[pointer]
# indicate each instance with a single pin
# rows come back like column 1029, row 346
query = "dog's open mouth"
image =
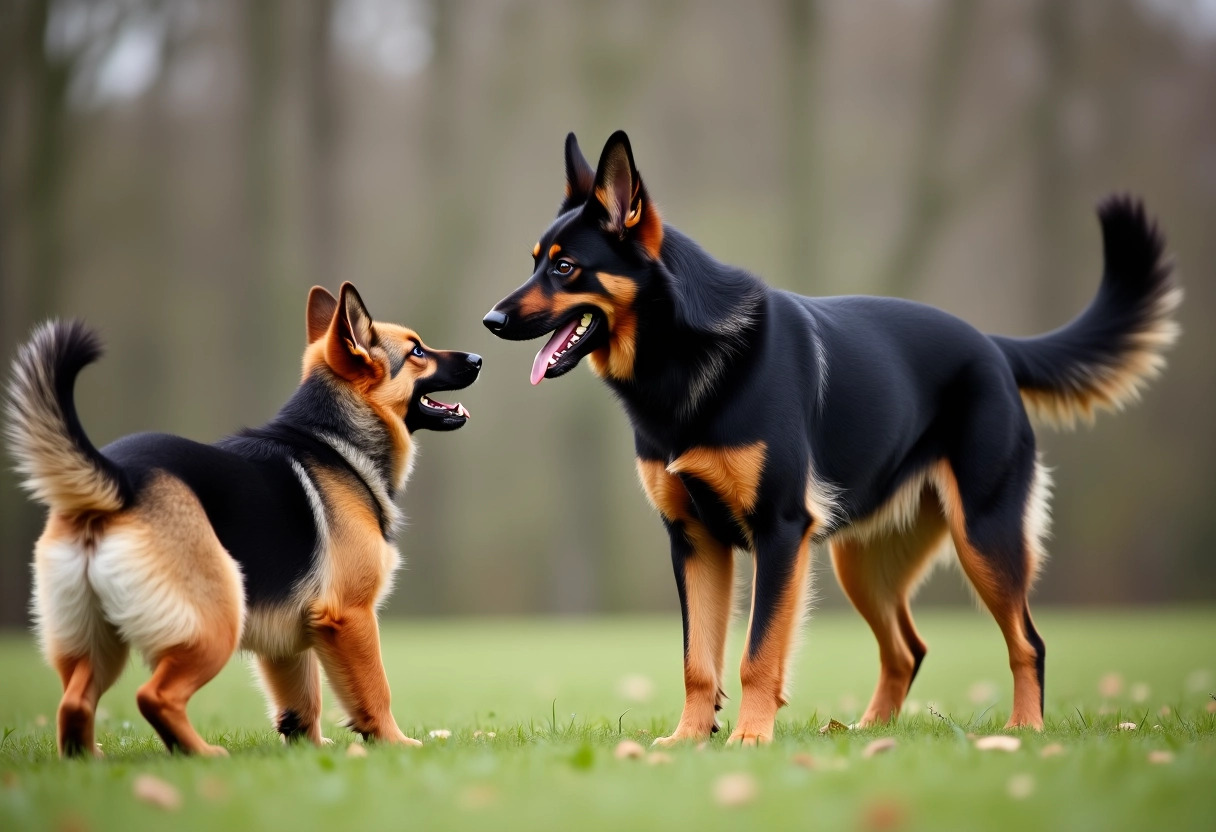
column 432, row 414
column 566, row 347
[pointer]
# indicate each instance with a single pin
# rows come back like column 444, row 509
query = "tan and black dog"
column 767, row 421
column 277, row 540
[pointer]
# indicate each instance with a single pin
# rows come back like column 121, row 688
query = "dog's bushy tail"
column 1106, row 356
column 61, row 468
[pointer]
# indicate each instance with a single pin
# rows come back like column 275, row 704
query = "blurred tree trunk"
column 927, row 202
column 46, row 78
column 254, row 326
column 1050, row 168
column 322, row 139
column 803, row 176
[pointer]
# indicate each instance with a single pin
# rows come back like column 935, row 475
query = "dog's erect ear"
column 620, row 193
column 580, row 176
column 321, row 306
column 351, row 335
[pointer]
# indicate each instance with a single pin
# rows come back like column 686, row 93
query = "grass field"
column 560, row 694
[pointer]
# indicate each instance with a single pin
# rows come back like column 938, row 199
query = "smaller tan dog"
column 277, row 540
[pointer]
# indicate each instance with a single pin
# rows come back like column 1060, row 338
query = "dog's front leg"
column 778, row 602
column 704, row 579
column 348, row 642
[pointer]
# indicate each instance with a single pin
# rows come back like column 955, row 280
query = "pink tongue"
column 541, row 363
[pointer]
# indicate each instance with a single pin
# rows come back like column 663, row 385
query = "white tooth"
column 552, row 361
column 574, row 340
column 580, row 330
column 586, row 319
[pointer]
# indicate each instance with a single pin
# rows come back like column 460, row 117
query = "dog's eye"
column 563, row 267
column 418, row 352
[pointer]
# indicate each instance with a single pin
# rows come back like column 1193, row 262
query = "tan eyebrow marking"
column 553, row 250
column 536, row 249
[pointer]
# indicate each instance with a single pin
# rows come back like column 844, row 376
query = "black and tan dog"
column 767, row 421
column 278, row 540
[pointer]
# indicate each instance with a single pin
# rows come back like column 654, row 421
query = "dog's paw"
column 749, row 737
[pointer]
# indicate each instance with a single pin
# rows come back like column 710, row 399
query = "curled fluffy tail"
column 1105, row 357
column 61, row 467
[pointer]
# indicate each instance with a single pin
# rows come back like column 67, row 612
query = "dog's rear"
column 114, row 569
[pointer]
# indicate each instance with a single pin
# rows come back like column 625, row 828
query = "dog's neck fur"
column 696, row 322
column 345, row 422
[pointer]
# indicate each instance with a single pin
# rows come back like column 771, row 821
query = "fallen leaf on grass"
column 1020, row 786
column 157, row 792
column 40, row 720
column 879, row 746
column 1140, row 692
column 440, row 734
column 1128, row 726
column 982, row 692
column 1110, row 685
column 1161, row 757
column 635, row 688
column 998, row 742
column 212, row 789
column 735, row 789
column 1052, row 750
column 884, row 815
column 659, row 758
column 834, row 726
column 355, row 750
column 1212, row 707
column 804, row 760
column 629, row 750
column 478, row 796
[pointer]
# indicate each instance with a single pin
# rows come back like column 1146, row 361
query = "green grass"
column 555, row 694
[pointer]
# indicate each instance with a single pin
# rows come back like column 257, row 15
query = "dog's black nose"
column 494, row 320
column 474, row 360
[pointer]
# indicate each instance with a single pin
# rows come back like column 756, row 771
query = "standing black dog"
column 766, row 421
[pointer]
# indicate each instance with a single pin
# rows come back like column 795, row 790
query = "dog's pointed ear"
column 619, row 191
column 580, row 176
column 321, row 307
column 351, row 335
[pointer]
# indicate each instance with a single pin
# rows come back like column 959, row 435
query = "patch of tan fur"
column 616, row 359
column 553, row 250
column 359, row 563
column 536, row 248
column 733, row 473
column 1112, row 388
column 822, row 500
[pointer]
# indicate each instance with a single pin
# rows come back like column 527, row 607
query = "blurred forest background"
column 180, row 172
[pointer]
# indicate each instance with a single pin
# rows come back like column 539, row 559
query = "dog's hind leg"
column 879, row 573
column 996, row 535
column 293, row 685
column 77, row 640
column 783, row 558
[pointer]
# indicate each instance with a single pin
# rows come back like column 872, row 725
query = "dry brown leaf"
column 659, row 758
column 879, row 746
column 212, row 789
column 157, row 792
column 1161, row 757
column 803, row 759
column 833, row 726
column 998, row 742
column 1020, row 786
column 1212, row 707
column 1110, row 685
column 735, row 789
column 1128, row 726
column 355, row 750
column 629, row 750
column 1052, row 750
